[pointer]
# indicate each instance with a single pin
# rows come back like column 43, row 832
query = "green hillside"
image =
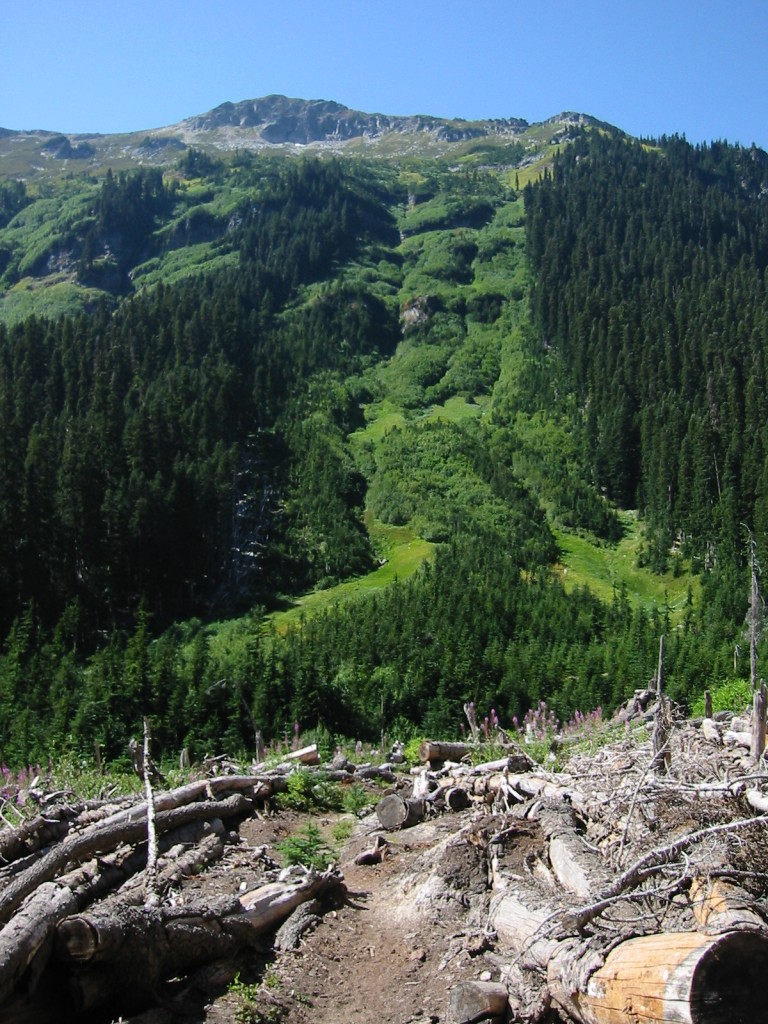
column 350, row 439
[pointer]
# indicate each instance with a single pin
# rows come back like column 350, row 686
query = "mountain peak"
column 282, row 120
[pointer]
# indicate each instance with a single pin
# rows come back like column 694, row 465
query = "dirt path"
column 409, row 929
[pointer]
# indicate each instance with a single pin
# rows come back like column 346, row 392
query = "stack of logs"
column 59, row 959
column 631, row 908
column 629, row 889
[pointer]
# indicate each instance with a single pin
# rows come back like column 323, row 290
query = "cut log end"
column 394, row 812
column 686, row 977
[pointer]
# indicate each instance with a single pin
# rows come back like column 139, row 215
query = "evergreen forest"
column 304, row 442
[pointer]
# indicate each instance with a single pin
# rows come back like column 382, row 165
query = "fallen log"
column 36, row 833
column 434, row 750
column 25, row 935
column 22, row 938
column 456, row 798
column 689, row 977
column 719, row 906
column 307, row 755
column 375, row 771
column 683, row 977
column 177, row 864
column 123, row 955
column 394, row 811
column 577, row 868
column 106, row 836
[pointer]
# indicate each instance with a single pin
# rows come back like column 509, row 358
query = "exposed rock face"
column 62, row 148
column 278, row 120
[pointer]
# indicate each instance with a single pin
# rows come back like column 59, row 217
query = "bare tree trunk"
column 758, row 721
column 662, row 723
column 129, row 950
column 152, row 893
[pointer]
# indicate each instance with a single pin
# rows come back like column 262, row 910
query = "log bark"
column 710, row 731
column 685, row 977
column 23, row 939
column 36, row 833
column 433, row 750
column 704, row 977
column 578, row 869
column 759, row 709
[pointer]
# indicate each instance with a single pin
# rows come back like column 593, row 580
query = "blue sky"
column 648, row 66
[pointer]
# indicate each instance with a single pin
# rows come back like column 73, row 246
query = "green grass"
column 604, row 568
column 382, row 417
column 47, row 297
column 458, row 409
column 404, row 552
column 181, row 263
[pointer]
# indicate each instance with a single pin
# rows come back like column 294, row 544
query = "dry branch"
column 124, row 827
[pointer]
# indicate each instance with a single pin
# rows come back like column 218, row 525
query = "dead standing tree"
column 758, row 688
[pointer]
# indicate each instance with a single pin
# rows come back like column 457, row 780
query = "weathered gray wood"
column 434, row 750
column 307, row 755
column 759, row 705
column 23, row 939
column 578, row 869
column 657, row 979
column 105, row 836
column 710, row 731
column 31, row 835
column 757, row 799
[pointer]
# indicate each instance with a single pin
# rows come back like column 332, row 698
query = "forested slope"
column 650, row 264
column 291, row 342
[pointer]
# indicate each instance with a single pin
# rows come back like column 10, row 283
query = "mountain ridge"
column 273, row 122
